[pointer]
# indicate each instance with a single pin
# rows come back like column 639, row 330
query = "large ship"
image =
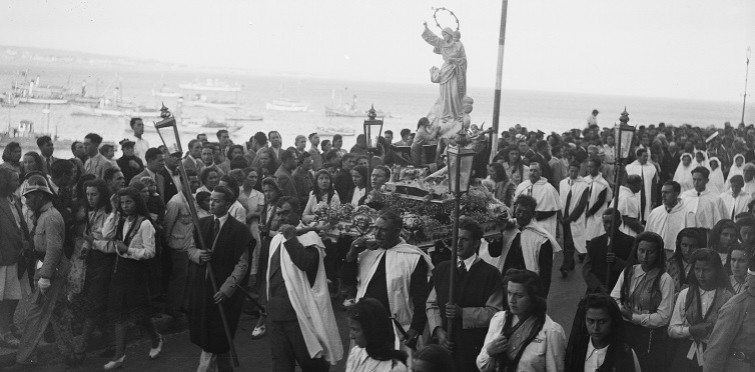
column 211, row 85
column 284, row 104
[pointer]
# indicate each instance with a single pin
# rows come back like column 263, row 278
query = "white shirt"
column 596, row 357
column 358, row 194
column 468, row 262
column 662, row 314
column 140, row 148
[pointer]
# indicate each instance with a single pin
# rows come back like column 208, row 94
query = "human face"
column 357, row 178
column 337, row 143
column 80, row 150
column 323, row 182
column 138, row 128
column 647, row 255
column 728, row 236
column 301, row 143
column 386, row 235
column 251, row 179
column 271, row 195
column 573, row 172
column 713, row 165
column 737, row 186
column 748, row 235
column 593, row 168
column 356, row 333
column 145, row 193
column 157, row 163
column 29, row 164
column 224, row 139
column 363, row 162
column 237, row 152
column 286, row 214
column 389, row 137
column 207, row 157
column 306, row 164
column 687, row 246
column 378, row 179
column 128, row 151
column 194, row 184
column 118, row 182
column 534, row 172
column 699, row 157
column 275, row 139
column 739, row 160
column 599, row 325
column 669, row 196
column 315, row 140
column 218, row 205
column 212, row 180
column 128, row 205
column 91, row 148
column 47, row 149
column 738, row 259
column 349, row 163
column 93, row 196
column 467, row 245
column 644, row 158
column 34, row 201
column 699, row 181
column 491, row 173
column 523, row 215
column 327, row 146
column 519, row 301
column 513, row 156
column 265, row 160
column 607, row 223
column 202, row 138
column 705, row 275
column 196, row 150
column 523, row 147
column 686, row 160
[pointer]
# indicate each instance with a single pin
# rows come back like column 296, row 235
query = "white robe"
column 706, row 205
column 668, row 225
column 629, row 205
column 547, row 200
column 734, row 206
column 311, row 303
column 716, row 178
column 648, row 172
column 577, row 227
column 735, row 170
column 683, row 175
column 594, row 223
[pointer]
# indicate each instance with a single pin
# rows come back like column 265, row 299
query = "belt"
column 744, row 356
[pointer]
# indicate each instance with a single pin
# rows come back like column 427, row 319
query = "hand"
column 205, row 256
column 133, row 164
column 453, row 311
column 626, row 313
column 121, row 247
column 443, row 339
column 610, row 257
column 43, row 284
column 413, row 337
column 699, row 331
column 219, row 297
column 498, row 346
column 288, row 231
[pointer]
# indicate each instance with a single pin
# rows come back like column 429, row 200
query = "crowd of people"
column 96, row 244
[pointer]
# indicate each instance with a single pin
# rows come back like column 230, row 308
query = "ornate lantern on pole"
column 167, row 129
column 373, row 129
column 460, row 161
column 624, row 136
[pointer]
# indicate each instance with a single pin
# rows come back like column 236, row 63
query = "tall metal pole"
column 454, row 244
column 499, row 72
column 744, row 98
column 624, row 119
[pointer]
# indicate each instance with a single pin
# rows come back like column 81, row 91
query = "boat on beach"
column 285, row 104
column 211, row 85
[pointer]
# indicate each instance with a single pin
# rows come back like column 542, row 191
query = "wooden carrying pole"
column 170, row 122
column 498, row 75
column 454, row 243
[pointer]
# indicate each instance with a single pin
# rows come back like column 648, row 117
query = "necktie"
column 48, row 166
column 529, row 191
column 462, row 268
column 734, row 208
column 215, row 228
column 568, row 201
column 643, row 197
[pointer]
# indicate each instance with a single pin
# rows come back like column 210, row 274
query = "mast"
column 744, row 96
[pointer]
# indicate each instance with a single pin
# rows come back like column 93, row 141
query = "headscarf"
column 704, row 163
column 683, row 175
column 735, row 170
column 716, row 178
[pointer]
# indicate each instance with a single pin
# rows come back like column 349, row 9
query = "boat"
column 96, row 111
column 164, row 91
column 211, row 85
column 284, row 104
column 244, row 118
column 350, row 112
column 25, row 135
column 212, row 124
column 42, row 101
column 200, row 100
column 331, row 131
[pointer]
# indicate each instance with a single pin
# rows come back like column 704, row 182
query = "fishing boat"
column 41, row 101
column 284, row 104
column 96, row 111
column 244, row 118
column 211, row 85
column 200, row 100
column 350, row 112
column 331, row 131
column 165, row 92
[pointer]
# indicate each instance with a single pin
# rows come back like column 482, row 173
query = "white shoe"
column 115, row 364
column 155, row 351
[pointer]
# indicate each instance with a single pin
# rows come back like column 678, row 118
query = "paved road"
column 254, row 355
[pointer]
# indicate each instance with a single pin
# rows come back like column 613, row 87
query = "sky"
column 690, row 49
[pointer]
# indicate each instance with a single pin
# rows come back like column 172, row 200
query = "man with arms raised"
column 228, row 244
column 393, row 272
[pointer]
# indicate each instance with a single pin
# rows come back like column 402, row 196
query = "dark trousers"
column 177, row 282
column 287, row 347
column 568, row 263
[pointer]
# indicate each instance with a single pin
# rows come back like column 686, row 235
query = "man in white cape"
column 574, row 192
column 735, row 199
column 707, row 206
column 546, row 196
column 600, row 195
column 301, row 324
column 393, row 272
column 648, row 174
column 668, row 219
column 629, row 206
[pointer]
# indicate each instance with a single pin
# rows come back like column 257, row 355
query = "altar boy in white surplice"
column 707, row 205
column 600, row 195
column 546, row 196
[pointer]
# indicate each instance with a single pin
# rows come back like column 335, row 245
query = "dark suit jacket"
column 159, row 179
column 170, row 188
column 286, row 182
column 594, row 269
column 45, row 168
column 10, row 234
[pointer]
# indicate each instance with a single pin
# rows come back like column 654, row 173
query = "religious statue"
column 448, row 111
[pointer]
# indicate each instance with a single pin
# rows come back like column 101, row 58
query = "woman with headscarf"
column 716, row 178
column 371, row 329
column 700, row 160
column 736, row 169
column 683, row 174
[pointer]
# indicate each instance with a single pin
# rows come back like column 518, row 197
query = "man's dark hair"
column 239, row 163
column 260, row 138
column 221, row 132
column 641, row 151
column 152, row 154
column 388, row 132
column 542, row 145
column 231, row 183
column 94, row 138
column 41, row 141
column 290, row 200
column 311, row 135
column 393, row 218
column 228, row 194
column 526, row 201
column 468, row 224
column 596, row 161
column 702, row 170
column 677, row 187
column 405, row 132
column 109, row 173
column 287, row 155
column 61, row 167
column 133, row 121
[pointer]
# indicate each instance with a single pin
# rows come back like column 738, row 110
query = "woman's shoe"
column 115, row 364
column 155, row 351
column 259, row 332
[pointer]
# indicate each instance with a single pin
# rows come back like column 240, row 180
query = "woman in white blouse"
column 645, row 295
column 133, row 237
column 523, row 338
column 322, row 195
column 696, row 310
column 360, row 177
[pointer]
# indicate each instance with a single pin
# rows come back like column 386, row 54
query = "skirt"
column 651, row 345
column 128, row 297
column 98, row 275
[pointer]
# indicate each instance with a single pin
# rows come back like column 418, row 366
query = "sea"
column 405, row 104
